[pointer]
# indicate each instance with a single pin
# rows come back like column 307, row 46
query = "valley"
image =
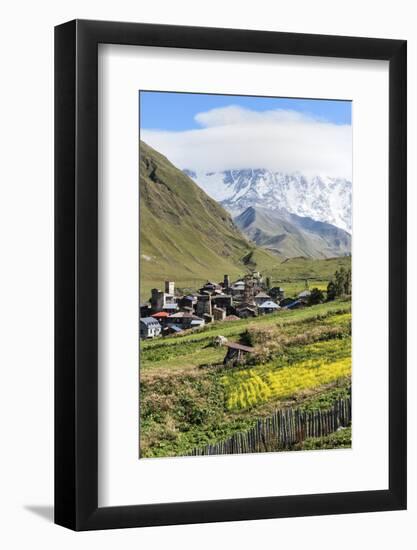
column 241, row 331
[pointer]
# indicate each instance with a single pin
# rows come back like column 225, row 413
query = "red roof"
column 160, row 314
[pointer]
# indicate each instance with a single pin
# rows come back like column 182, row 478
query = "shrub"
column 316, row 297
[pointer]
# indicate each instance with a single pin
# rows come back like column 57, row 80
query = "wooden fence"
column 282, row 430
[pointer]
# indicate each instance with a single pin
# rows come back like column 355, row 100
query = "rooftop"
column 149, row 321
column 185, row 315
column 235, row 345
column 175, row 328
column 262, row 295
column 269, row 304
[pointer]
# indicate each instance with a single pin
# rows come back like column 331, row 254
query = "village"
column 171, row 312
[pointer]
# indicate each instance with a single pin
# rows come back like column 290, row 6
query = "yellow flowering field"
column 249, row 387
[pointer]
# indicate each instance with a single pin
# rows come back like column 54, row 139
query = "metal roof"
column 149, row 321
column 176, row 328
column 269, row 304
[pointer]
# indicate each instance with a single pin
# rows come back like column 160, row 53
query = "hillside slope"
column 185, row 235
column 292, row 236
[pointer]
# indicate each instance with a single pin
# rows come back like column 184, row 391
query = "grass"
column 342, row 439
column 325, row 400
column 186, row 396
column 194, row 350
column 291, row 274
column 327, row 362
column 235, row 328
column 301, row 269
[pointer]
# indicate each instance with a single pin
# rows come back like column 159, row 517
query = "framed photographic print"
column 230, row 275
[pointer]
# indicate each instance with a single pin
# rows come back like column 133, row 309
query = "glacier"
column 320, row 197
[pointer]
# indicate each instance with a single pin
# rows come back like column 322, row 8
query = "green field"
column 291, row 274
column 188, row 399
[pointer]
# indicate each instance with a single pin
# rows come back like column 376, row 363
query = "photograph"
column 245, row 274
column 216, row 340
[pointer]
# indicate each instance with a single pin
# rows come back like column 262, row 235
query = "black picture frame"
column 76, row 272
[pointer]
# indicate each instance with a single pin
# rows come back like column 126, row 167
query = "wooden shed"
column 235, row 353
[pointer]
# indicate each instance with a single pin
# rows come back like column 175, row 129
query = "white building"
column 149, row 328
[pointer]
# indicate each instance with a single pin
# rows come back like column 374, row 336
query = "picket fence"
column 282, row 430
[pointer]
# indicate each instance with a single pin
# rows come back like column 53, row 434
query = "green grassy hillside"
column 292, row 273
column 188, row 399
column 184, row 234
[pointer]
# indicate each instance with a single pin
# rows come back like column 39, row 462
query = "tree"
column 316, row 297
column 347, row 289
column 331, row 291
column 340, row 285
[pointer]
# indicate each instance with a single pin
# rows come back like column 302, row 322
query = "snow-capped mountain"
column 321, row 198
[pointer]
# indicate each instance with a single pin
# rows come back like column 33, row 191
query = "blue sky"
column 204, row 132
column 176, row 111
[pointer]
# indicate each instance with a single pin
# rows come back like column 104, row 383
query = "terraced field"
column 188, row 399
column 258, row 385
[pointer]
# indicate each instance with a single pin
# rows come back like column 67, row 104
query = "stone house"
column 149, row 328
column 261, row 297
column 219, row 313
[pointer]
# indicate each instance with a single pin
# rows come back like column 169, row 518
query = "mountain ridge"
column 321, row 198
column 185, row 235
column 292, row 236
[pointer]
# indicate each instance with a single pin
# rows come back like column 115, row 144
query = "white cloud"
column 279, row 140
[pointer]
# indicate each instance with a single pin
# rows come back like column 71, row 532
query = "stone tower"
column 157, row 300
column 169, row 287
column 203, row 305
